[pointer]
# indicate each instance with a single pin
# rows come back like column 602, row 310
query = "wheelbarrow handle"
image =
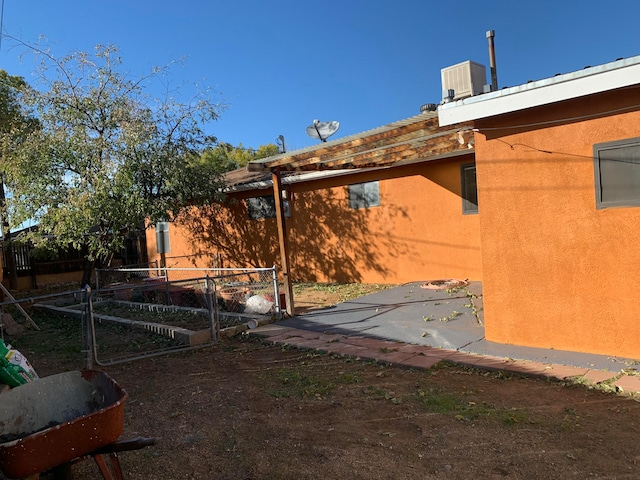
column 125, row 445
column 63, row 472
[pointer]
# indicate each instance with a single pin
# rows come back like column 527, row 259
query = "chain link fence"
column 131, row 273
column 39, row 324
column 146, row 314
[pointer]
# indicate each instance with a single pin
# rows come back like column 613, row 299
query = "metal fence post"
column 211, row 307
column 276, row 293
column 87, row 337
column 167, row 287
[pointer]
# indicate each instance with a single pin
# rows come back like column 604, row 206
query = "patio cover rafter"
column 416, row 138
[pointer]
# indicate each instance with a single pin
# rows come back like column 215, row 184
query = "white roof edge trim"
column 291, row 179
column 602, row 78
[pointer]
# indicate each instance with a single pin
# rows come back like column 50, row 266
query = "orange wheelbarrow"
column 49, row 424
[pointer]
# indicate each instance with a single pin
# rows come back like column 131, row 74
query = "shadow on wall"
column 332, row 242
column 225, row 230
column 328, row 241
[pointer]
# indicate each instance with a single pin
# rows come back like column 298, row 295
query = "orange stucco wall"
column 417, row 233
column 557, row 272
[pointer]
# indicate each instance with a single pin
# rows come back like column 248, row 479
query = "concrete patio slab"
column 436, row 318
column 418, row 327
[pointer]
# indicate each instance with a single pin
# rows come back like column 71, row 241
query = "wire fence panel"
column 248, row 290
column 170, row 309
column 145, row 315
column 142, row 319
column 57, row 323
column 111, row 276
column 234, row 286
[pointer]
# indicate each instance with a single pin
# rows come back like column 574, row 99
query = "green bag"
column 15, row 369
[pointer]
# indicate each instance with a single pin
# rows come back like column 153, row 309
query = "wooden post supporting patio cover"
column 283, row 240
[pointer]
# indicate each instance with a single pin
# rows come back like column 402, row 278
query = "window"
column 469, row 189
column 261, row 207
column 364, row 195
column 617, row 172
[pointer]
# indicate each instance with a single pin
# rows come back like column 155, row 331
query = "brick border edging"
column 418, row 356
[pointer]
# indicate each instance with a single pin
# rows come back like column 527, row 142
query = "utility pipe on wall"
column 492, row 60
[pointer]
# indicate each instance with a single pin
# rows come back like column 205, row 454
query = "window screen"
column 364, row 195
column 469, row 189
column 617, row 172
column 261, row 207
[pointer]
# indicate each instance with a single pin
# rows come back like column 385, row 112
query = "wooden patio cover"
column 419, row 138
column 413, row 139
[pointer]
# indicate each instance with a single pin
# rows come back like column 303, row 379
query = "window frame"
column 597, row 169
column 261, row 208
column 364, row 198
column 468, row 206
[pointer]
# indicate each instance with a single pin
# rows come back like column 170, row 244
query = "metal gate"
column 148, row 315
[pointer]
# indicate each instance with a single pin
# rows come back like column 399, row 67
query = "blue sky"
column 279, row 65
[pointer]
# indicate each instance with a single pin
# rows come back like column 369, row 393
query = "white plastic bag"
column 258, row 304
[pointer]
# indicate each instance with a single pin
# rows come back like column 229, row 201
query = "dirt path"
column 247, row 410
column 244, row 410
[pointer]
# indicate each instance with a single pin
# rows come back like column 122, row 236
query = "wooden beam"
column 425, row 147
column 283, row 241
column 373, row 149
column 357, row 148
column 388, row 137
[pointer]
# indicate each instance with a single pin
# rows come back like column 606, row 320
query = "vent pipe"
column 492, row 60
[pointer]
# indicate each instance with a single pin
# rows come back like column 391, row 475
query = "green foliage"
column 15, row 124
column 440, row 402
column 13, row 120
column 437, row 401
column 106, row 155
column 224, row 157
column 299, row 382
column 295, row 384
column 46, row 251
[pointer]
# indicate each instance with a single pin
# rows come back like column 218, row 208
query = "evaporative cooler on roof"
column 465, row 79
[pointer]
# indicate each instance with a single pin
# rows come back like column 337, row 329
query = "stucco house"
column 390, row 205
column 533, row 190
column 382, row 206
column 558, row 175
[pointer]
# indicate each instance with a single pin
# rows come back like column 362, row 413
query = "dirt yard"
column 247, row 410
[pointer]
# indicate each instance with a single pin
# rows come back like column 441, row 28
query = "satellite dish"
column 322, row 130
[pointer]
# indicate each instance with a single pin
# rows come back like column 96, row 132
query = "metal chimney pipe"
column 492, row 60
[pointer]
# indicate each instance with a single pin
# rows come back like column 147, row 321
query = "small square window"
column 469, row 189
column 364, row 195
column 261, row 207
column 617, row 173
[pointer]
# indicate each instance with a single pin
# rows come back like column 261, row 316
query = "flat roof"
column 609, row 76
